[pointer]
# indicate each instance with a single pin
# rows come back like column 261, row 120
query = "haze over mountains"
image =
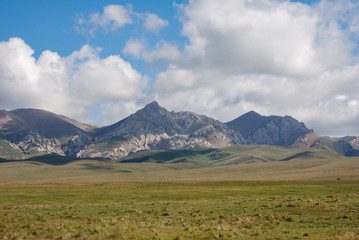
column 29, row 132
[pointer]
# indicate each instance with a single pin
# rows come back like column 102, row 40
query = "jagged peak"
column 153, row 104
column 252, row 113
column 153, row 107
column 246, row 116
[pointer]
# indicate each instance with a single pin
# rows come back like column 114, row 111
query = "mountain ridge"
column 34, row 131
column 260, row 129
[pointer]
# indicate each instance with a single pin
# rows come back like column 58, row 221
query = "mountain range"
column 31, row 132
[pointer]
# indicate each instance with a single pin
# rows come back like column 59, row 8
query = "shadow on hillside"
column 168, row 156
column 51, row 159
column 102, row 168
column 306, row 154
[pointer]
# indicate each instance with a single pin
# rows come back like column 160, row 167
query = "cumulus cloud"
column 108, row 79
column 154, row 23
column 263, row 36
column 112, row 18
column 274, row 57
column 134, row 47
column 115, row 17
column 162, row 51
column 73, row 85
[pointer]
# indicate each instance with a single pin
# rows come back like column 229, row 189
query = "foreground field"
column 181, row 210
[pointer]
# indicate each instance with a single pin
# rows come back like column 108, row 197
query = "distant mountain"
column 29, row 132
column 272, row 130
column 352, row 140
column 153, row 127
column 32, row 131
column 347, row 146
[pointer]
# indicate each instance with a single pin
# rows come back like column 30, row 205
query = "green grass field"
column 181, row 210
column 228, row 156
column 239, row 192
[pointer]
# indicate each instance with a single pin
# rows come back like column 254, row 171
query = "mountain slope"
column 33, row 131
column 45, row 123
column 347, row 146
column 272, row 130
column 153, row 127
column 28, row 132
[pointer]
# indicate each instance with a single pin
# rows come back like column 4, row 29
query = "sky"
column 100, row 61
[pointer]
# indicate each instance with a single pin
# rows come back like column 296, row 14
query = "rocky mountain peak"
column 152, row 109
column 153, row 106
column 272, row 130
column 251, row 114
column 247, row 123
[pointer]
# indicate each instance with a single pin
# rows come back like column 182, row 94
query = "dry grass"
column 181, row 210
column 104, row 171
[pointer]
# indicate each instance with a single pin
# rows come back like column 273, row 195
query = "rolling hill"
column 238, row 162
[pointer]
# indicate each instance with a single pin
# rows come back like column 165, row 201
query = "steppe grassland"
column 181, row 210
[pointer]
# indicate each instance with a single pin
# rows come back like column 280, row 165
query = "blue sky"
column 98, row 61
column 49, row 25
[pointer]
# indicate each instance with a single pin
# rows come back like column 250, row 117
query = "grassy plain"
column 240, row 192
column 181, row 210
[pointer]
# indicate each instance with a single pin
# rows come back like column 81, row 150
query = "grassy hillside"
column 229, row 156
column 6, row 150
column 233, row 163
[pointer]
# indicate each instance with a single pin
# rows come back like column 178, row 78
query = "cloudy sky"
column 99, row 61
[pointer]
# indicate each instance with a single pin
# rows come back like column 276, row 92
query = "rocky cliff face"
column 153, row 127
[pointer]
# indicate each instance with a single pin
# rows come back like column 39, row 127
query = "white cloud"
column 19, row 64
column 112, row 18
column 105, row 79
column 263, row 36
column 274, row 57
column 19, row 72
column 154, row 23
column 72, row 85
column 162, row 51
column 112, row 110
column 134, row 47
column 115, row 17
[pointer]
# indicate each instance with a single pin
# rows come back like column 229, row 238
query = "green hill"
column 6, row 150
column 232, row 155
column 240, row 162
